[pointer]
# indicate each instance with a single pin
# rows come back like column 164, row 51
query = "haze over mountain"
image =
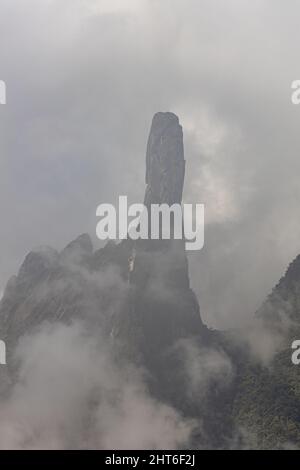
column 107, row 348
column 84, row 78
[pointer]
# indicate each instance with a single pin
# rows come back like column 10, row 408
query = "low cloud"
column 203, row 367
column 71, row 393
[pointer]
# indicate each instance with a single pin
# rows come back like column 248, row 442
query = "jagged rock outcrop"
column 161, row 307
column 136, row 294
column 146, row 304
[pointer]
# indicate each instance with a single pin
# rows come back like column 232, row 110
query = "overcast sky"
column 84, row 78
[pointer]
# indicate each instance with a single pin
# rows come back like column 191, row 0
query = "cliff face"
column 165, row 164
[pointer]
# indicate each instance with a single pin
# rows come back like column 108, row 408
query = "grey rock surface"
column 165, row 164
